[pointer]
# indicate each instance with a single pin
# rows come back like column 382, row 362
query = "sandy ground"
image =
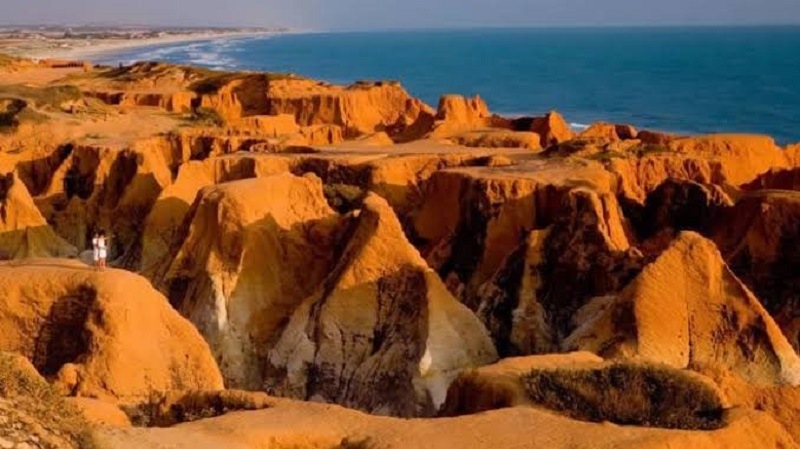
column 99, row 48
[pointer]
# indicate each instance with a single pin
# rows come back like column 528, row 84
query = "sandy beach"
column 93, row 49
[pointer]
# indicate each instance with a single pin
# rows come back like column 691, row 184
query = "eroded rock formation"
column 251, row 252
column 713, row 319
column 382, row 333
column 100, row 334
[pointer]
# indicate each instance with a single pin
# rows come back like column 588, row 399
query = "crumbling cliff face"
column 381, row 333
column 350, row 245
column 717, row 322
column 244, row 262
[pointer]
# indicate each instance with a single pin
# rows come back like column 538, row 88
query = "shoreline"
column 92, row 50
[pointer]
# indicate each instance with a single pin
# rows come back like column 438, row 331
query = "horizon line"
column 414, row 28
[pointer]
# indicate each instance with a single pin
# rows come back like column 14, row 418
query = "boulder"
column 104, row 334
column 602, row 131
column 382, row 333
column 552, row 128
column 688, row 309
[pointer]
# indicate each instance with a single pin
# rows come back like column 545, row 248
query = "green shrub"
column 627, row 394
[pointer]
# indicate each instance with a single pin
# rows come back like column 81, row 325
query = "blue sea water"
column 691, row 80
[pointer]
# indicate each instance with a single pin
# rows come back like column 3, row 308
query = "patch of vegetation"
column 627, row 394
column 344, row 198
column 648, row 149
column 14, row 111
column 34, row 398
column 215, row 81
column 164, row 410
column 43, row 97
column 606, row 156
column 206, row 117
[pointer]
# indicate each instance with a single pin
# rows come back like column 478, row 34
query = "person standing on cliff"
column 102, row 251
column 96, row 249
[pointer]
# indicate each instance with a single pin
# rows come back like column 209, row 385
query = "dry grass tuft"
column 38, row 409
column 628, row 394
column 164, row 410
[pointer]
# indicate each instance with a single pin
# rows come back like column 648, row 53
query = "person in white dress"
column 96, row 249
column 102, row 251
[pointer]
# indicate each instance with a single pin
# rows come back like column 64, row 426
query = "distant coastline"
column 92, row 49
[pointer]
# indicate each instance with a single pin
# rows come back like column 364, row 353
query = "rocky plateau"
column 296, row 264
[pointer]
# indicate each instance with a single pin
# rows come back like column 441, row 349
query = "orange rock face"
column 742, row 157
column 100, row 334
column 608, row 132
column 351, row 245
column 23, row 230
column 552, row 128
column 714, row 320
column 215, row 277
column 400, row 337
column 759, row 238
column 455, row 108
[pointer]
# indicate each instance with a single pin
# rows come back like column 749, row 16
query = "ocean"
column 683, row 80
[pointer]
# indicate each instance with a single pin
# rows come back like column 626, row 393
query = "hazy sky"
column 371, row 14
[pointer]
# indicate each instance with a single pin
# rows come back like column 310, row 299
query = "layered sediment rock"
column 381, row 333
column 526, row 245
column 100, row 334
column 726, row 160
column 360, row 109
